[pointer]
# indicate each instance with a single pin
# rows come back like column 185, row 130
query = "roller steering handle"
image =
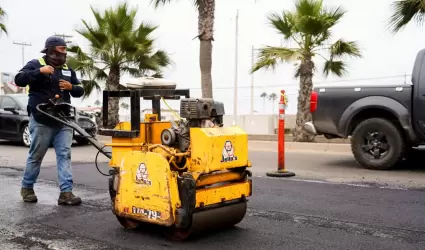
column 72, row 124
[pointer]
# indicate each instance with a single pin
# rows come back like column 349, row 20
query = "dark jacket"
column 42, row 87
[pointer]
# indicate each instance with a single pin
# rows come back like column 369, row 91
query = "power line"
column 64, row 37
column 23, row 45
column 336, row 81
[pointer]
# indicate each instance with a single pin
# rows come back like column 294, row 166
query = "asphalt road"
column 296, row 213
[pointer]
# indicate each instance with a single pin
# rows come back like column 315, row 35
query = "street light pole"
column 252, row 76
column 235, row 98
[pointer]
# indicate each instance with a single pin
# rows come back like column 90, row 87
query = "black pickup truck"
column 384, row 121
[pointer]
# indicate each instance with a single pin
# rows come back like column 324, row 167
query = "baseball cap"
column 53, row 41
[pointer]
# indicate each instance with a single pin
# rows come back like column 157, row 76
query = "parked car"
column 384, row 121
column 14, row 120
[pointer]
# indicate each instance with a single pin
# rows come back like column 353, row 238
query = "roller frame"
column 191, row 220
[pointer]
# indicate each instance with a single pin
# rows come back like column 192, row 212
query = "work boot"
column 68, row 198
column 28, row 195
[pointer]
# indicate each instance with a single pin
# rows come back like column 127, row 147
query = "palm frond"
column 161, row 58
column 3, row 28
column 158, row 75
column 158, row 3
column 308, row 7
column 284, row 23
column 332, row 15
column 335, row 67
column 270, row 56
column 132, row 71
column 403, row 11
column 342, row 48
column 145, row 30
column 89, row 86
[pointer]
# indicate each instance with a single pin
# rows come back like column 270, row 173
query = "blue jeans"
column 42, row 137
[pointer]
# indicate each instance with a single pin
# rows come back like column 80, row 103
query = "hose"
column 168, row 151
column 95, row 162
column 151, row 147
column 172, row 111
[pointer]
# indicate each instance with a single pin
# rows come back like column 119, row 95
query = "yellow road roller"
column 187, row 174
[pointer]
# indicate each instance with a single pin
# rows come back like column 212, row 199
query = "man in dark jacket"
column 44, row 78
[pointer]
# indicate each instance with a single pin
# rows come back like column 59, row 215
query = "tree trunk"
column 303, row 112
column 112, row 83
column 206, row 11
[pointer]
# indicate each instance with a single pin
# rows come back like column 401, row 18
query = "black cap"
column 53, row 41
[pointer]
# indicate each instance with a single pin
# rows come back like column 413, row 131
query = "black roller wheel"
column 128, row 223
column 377, row 144
column 177, row 234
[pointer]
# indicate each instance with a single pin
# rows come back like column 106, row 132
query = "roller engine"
column 195, row 113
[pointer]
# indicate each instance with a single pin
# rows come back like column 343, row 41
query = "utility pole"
column 22, row 44
column 252, row 76
column 64, row 37
column 252, row 80
column 235, row 98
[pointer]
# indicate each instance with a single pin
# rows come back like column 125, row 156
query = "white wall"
column 259, row 124
column 252, row 124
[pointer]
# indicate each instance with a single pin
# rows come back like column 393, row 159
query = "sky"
column 387, row 58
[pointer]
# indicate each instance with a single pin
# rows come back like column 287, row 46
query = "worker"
column 47, row 77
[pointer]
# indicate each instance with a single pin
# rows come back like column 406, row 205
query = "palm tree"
column 264, row 96
column 273, row 97
column 403, row 11
column 3, row 28
column 117, row 45
column 206, row 10
column 309, row 27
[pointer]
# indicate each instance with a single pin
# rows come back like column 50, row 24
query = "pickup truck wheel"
column 377, row 144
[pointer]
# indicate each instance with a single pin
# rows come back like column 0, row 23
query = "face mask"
column 56, row 58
